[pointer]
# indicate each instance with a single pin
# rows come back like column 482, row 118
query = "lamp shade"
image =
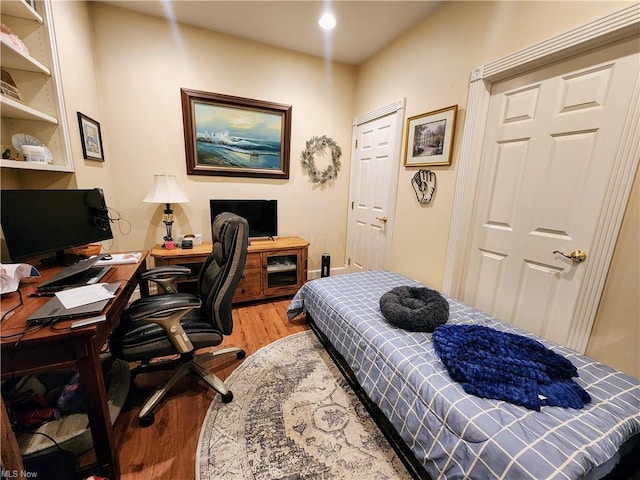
column 165, row 189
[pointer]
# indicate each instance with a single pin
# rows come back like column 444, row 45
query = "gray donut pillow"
column 417, row 309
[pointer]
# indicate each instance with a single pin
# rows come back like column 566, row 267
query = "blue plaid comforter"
column 453, row 434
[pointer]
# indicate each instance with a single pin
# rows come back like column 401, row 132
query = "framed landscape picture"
column 429, row 138
column 234, row 136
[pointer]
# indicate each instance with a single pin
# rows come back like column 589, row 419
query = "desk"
column 47, row 349
column 179, row 256
column 193, row 258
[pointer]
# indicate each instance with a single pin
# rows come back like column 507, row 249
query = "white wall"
column 142, row 62
column 430, row 65
column 74, row 40
column 78, row 77
column 615, row 337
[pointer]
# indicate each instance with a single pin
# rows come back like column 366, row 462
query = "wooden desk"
column 178, row 256
column 46, row 349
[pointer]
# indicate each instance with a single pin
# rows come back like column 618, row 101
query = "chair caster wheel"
column 241, row 354
column 227, row 397
column 147, row 420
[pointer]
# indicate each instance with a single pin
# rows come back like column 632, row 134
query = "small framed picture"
column 429, row 138
column 91, row 138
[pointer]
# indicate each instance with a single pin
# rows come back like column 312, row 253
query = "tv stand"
column 275, row 267
column 255, row 239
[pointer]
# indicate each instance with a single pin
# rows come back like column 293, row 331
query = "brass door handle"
column 382, row 219
column 577, row 256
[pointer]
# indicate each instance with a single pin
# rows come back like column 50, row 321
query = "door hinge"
column 349, row 261
column 356, row 143
column 352, row 205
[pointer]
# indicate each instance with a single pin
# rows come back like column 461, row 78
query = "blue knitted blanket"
column 505, row 366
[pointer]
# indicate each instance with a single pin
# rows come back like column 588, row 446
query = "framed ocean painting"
column 233, row 136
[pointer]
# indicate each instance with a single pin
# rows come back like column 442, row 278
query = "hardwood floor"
column 167, row 449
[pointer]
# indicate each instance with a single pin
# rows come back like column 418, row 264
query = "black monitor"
column 262, row 215
column 37, row 222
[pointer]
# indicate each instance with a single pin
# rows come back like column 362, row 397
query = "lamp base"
column 169, row 244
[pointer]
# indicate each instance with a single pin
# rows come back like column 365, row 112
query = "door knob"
column 382, row 219
column 577, row 256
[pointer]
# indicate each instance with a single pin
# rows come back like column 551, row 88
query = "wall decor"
column 319, row 146
column 8, row 86
column 91, row 138
column 429, row 138
column 233, row 136
column 32, row 149
column 424, row 184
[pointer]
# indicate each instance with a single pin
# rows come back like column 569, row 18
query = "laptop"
column 81, row 273
column 55, row 310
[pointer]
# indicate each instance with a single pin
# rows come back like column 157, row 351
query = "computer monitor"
column 37, row 222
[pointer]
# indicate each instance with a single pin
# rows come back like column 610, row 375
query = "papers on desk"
column 11, row 274
column 121, row 258
column 77, row 297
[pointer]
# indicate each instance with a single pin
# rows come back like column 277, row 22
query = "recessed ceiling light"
column 327, row 21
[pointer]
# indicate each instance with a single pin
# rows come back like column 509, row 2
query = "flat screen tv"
column 37, row 222
column 262, row 215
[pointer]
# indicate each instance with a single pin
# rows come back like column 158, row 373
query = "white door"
column 548, row 154
column 374, row 171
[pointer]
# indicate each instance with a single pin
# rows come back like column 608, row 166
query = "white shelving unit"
column 20, row 9
column 40, row 112
column 14, row 58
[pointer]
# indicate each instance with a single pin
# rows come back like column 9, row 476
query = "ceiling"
column 364, row 27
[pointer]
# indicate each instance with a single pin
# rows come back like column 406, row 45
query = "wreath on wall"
column 317, row 145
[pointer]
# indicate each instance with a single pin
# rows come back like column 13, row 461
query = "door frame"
column 600, row 33
column 396, row 108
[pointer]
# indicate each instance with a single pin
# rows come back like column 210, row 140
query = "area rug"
column 293, row 416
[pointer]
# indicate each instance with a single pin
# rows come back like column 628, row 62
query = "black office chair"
column 180, row 323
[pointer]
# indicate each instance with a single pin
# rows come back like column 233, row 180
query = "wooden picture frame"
column 233, row 136
column 91, row 138
column 429, row 138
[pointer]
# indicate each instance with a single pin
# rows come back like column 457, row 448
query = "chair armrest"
column 166, row 276
column 167, row 311
column 166, row 304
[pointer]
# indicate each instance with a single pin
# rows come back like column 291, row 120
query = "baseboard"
column 313, row 274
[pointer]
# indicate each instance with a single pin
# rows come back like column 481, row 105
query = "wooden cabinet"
column 250, row 286
column 40, row 110
column 274, row 268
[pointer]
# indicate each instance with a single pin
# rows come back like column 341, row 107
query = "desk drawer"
column 254, row 260
column 250, row 285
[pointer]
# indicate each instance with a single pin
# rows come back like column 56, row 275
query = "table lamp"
column 165, row 190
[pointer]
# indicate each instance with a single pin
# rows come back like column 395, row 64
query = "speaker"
column 99, row 210
column 326, row 265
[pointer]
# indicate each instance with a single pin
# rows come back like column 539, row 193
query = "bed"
column 451, row 434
